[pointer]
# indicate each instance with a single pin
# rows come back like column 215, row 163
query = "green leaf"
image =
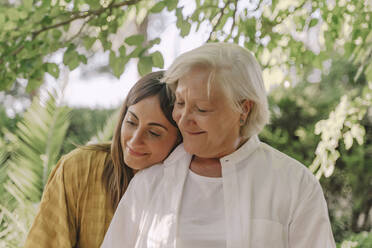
column 137, row 52
column 47, row 20
column 144, row 65
column 88, row 42
column 83, row 59
column 171, row 4
column 313, row 22
column 6, row 83
column 33, row 84
column 158, row 7
column 157, row 59
column 52, row 69
column 71, row 59
column 94, row 4
column 56, row 34
column 185, row 28
column 106, row 44
column 122, row 51
column 117, row 64
column 155, row 41
column 66, row 27
column 136, row 39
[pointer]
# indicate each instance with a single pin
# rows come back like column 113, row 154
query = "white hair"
column 238, row 73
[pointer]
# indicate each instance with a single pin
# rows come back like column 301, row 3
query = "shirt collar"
column 243, row 152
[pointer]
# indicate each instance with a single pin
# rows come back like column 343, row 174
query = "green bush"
column 359, row 240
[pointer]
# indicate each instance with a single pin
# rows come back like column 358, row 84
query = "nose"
column 136, row 139
column 183, row 116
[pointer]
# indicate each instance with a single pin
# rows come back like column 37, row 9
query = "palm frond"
column 105, row 134
column 36, row 146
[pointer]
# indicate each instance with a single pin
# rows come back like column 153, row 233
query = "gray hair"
column 236, row 71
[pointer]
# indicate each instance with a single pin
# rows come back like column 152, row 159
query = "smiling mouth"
column 135, row 153
column 194, row 133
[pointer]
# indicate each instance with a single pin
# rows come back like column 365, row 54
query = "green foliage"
column 107, row 131
column 29, row 155
column 294, row 114
column 86, row 123
column 7, row 123
column 331, row 118
column 31, row 32
column 31, row 149
column 360, row 240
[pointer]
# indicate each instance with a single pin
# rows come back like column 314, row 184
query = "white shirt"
column 202, row 213
column 270, row 200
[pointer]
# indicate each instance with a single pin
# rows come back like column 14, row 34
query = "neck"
column 211, row 167
column 208, row 167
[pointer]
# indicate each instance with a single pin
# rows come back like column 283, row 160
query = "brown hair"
column 116, row 174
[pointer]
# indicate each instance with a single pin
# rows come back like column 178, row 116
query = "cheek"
column 160, row 151
column 175, row 114
column 124, row 136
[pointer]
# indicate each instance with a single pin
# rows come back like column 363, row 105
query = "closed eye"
column 154, row 134
column 202, row 110
column 131, row 123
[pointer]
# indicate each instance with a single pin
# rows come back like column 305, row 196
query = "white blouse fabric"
column 202, row 213
column 270, row 200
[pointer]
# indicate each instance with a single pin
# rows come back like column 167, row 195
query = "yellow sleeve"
column 55, row 224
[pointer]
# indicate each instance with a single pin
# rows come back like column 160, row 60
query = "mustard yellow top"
column 75, row 210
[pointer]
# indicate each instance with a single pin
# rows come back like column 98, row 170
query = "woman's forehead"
column 199, row 85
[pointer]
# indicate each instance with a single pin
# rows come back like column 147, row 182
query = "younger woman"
column 85, row 187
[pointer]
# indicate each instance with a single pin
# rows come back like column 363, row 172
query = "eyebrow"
column 151, row 123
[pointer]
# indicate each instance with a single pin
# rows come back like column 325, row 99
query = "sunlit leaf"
column 157, row 59
column 71, row 59
column 53, row 69
column 144, row 65
column 158, row 7
column 88, row 42
column 313, row 22
column 117, row 64
column 135, row 39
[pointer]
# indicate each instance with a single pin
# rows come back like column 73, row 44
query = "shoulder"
column 284, row 162
column 151, row 176
column 79, row 165
column 82, row 158
column 295, row 176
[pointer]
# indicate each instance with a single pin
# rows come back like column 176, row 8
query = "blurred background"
column 67, row 65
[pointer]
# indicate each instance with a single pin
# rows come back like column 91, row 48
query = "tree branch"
column 75, row 16
column 218, row 21
column 233, row 23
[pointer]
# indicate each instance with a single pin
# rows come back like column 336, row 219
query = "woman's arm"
column 55, row 224
column 310, row 225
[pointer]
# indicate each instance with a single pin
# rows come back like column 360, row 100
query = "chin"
column 193, row 150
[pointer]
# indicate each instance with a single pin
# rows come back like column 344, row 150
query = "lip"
column 135, row 153
column 195, row 133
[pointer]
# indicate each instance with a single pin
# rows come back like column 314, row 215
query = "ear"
column 246, row 106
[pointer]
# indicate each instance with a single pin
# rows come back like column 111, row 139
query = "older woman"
column 85, row 187
column 222, row 187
